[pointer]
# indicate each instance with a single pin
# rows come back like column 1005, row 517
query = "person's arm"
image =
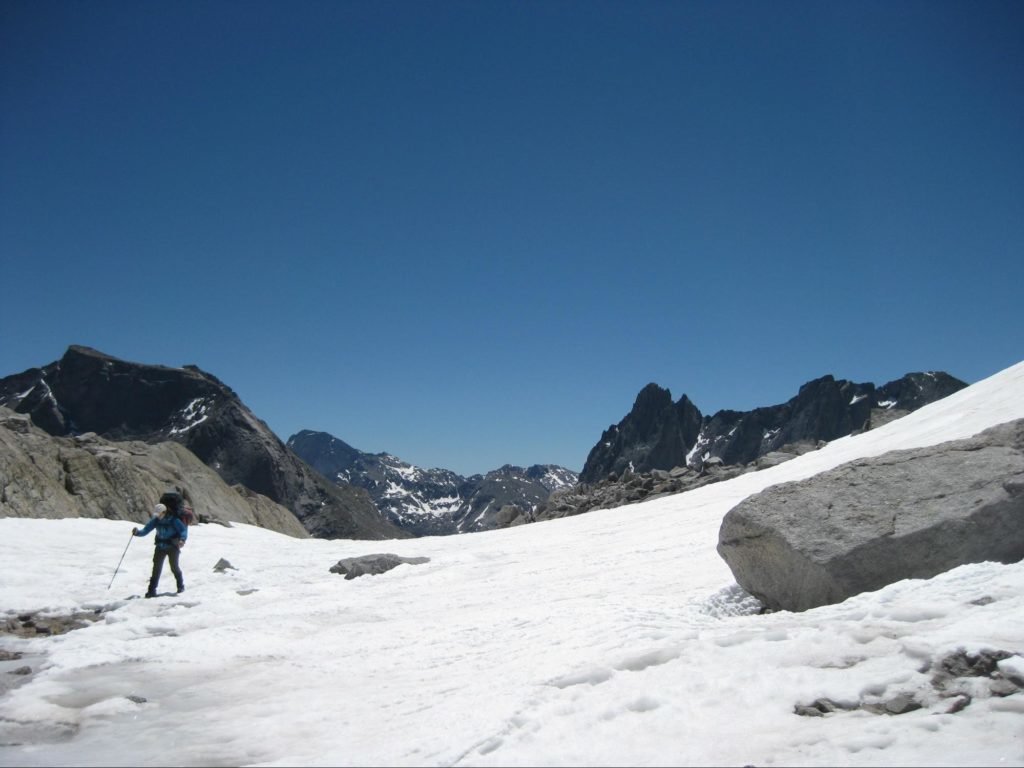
column 182, row 530
column 146, row 528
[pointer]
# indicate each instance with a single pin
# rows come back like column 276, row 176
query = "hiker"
column 171, row 533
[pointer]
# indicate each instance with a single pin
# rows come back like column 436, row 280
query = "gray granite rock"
column 352, row 567
column 906, row 514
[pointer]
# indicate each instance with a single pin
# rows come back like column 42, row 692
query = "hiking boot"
column 151, row 594
column 181, row 589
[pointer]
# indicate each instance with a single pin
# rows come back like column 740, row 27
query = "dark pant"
column 172, row 554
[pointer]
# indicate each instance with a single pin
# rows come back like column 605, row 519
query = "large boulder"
column 906, row 514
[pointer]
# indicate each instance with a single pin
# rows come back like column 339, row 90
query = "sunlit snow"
column 617, row 637
column 193, row 414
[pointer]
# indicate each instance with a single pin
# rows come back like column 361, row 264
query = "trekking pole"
column 120, row 561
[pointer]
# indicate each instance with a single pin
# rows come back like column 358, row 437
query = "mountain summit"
column 658, row 434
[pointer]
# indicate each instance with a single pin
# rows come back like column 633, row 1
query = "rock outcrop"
column 633, row 487
column 660, row 434
column 655, row 434
column 88, row 391
column 906, row 514
column 43, row 476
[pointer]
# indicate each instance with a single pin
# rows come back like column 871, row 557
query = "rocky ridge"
column 632, row 487
column 87, row 391
column 660, row 434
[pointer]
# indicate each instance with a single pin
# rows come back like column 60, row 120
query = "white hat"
column 158, row 510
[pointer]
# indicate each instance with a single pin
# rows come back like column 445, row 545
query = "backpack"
column 186, row 515
column 177, row 506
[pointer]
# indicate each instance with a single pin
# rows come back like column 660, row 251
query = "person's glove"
column 180, row 543
column 135, row 531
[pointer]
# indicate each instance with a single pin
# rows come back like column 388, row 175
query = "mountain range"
column 661, row 434
column 433, row 501
column 337, row 491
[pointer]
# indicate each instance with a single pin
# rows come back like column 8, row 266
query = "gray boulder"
column 352, row 567
column 906, row 514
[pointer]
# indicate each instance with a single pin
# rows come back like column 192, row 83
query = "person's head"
column 171, row 499
column 159, row 510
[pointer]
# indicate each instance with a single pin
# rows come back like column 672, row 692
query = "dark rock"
column 960, row 703
column 964, row 664
column 660, row 434
column 352, row 567
column 950, row 682
column 34, row 625
column 223, row 565
column 655, row 434
column 916, row 390
column 820, row 707
column 861, row 526
column 805, row 711
column 21, row 671
column 950, row 673
column 902, row 704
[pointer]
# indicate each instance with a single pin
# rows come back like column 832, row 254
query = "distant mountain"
column 337, row 491
column 429, row 502
column 88, row 391
column 509, row 495
column 659, row 434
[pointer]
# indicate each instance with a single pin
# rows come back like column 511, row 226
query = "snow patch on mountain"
column 192, row 415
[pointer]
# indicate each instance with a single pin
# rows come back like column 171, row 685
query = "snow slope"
column 614, row 638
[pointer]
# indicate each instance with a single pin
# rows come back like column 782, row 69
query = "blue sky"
column 468, row 233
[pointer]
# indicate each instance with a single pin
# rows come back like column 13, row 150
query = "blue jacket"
column 168, row 528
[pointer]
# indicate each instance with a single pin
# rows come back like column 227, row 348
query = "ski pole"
column 120, row 561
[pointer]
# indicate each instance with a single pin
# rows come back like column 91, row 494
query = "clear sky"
column 468, row 233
